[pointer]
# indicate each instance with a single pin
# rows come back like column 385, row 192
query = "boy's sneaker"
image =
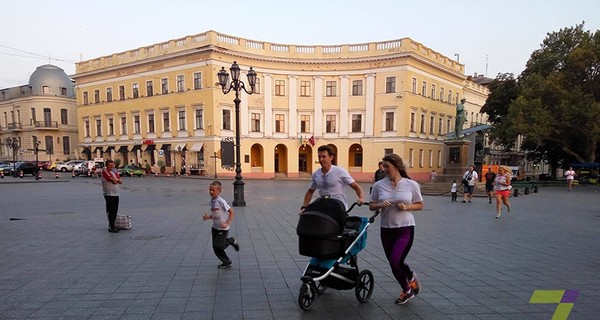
column 224, row 265
column 235, row 244
column 404, row 297
column 414, row 284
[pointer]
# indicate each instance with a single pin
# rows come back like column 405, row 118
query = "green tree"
column 559, row 96
column 503, row 91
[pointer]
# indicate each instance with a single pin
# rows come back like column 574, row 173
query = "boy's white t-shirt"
column 219, row 210
column 453, row 188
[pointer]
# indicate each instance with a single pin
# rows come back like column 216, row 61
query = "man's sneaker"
column 113, row 230
column 414, row 284
column 404, row 297
column 463, row 201
column 498, row 215
column 490, row 201
column 508, row 208
column 235, row 244
column 224, row 265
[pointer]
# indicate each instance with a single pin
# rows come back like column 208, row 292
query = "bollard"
column 178, row 174
column 156, row 174
column 526, row 190
column 38, row 176
column 535, row 189
column 2, row 174
column 73, row 173
column 516, row 193
column 56, row 174
column 21, row 174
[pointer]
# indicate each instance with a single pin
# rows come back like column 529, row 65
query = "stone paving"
column 57, row 260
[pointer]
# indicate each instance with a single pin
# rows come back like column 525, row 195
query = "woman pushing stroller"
column 397, row 196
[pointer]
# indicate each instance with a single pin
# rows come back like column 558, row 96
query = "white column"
column 318, row 111
column 344, row 97
column 293, row 106
column 268, row 94
column 370, row 105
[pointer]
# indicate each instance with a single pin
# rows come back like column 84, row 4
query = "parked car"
column 92, row 167
column 69, row 166
column 26, row 167
column 42, row 164
column 52, row 165
column 131, row 170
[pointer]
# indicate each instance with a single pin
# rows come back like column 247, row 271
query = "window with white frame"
column 180, row 83
column 305, row 89
column 357, row 123
column 121, row 92
column 448, row 126
column 98, row 127
column 411, row 157
column 197, row 80
column 330, row 88
column 432, row 91
column 422, row 123
column 86, row 126
column 226, row 119
column 255, row 122
column 279, row 87
column 181, row 117
column 46, row 90
column 424, row 89
column 151, row 125
column 389, row 121
column 111, row 127
column 164, row 85
column 109, row 96
column 136, row 90
column 123, row 125
column 64, row 116
column 442, row 94
column 413, row 87
column 440, row 124
column 357, row 88
column 413, row 121
column 166, row 121
column 330, row 123
column 431, row 124
column 421, row 155
column 149, row 88
column 257, row 86
column 279, row 122
column 304, row 123
column 86, row 99
column 136, row 124
column 96, row 96
column 439, row 158
column 390, row 84
column 199, row 119
column 449, row 96
column 431, row 158
column 66, row 142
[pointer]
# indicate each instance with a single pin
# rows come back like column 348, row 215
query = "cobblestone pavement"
column 57, row 260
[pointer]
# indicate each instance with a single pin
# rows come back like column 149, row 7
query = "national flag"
column 311, row 140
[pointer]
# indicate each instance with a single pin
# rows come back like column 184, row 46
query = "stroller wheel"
column 364, row 286
column 307, row 296
column 321, row 288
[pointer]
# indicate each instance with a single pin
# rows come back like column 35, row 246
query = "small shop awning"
column 165, row 147
column 122, row 149
column 180, row 146
column 86, row 150
column 99, row 148
column 136, row 147
column 197, row 147
column 109, row 149
column 150, row 148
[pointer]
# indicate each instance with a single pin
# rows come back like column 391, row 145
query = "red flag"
column 312, row 141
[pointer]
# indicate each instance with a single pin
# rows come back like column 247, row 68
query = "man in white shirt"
column 471, row 178
column 570, row 177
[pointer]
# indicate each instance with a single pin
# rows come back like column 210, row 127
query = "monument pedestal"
column 456, row 153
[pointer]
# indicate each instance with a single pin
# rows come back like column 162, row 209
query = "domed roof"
column 52, row 77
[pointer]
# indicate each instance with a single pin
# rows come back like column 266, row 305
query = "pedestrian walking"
column 222, row 215
column 469, row 181
column 502, row 189
column 570, row 177
column 490, row 177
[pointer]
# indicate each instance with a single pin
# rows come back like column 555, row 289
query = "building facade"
column 161, row 105
column 43, row 113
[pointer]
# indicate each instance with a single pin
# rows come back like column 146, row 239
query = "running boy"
column 222, row 215
column 453, row 191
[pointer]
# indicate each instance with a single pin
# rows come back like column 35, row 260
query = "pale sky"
column 489, row 36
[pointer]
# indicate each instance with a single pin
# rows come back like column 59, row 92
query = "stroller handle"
column 372, row 218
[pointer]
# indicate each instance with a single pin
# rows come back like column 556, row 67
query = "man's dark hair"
column 327, row 148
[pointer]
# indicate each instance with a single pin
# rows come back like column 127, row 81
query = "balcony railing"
column 14, row 126
column 45, row 124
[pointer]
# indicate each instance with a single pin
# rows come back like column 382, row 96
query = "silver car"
column 69, row 166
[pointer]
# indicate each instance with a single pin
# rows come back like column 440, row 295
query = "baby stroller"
column 332, row 239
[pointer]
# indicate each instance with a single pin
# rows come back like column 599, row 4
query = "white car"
column 69, row 166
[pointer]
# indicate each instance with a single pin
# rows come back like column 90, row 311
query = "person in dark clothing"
column 490, row 176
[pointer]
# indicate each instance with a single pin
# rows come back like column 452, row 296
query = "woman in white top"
column 502, row 190
column 397, row 196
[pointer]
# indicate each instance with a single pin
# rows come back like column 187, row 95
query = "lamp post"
column 13, row 143
column 237, row 86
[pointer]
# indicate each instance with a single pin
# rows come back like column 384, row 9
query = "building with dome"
column 43, row 113
column 162, row 105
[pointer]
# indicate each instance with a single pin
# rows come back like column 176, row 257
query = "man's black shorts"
column 489, row 187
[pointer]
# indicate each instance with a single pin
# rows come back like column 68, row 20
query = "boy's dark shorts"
column 489, row 187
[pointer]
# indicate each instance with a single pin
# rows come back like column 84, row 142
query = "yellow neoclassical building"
column 162, row 104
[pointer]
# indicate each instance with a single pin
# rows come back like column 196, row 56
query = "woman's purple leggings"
column 396, row 245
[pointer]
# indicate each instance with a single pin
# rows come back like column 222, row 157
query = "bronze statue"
column 460, row 118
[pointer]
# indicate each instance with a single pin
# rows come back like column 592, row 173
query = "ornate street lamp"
column 13, row 143
column 237, row 85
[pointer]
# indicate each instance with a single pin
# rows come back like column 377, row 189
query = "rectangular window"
column 64, row 117
column 390, row 84
column 121, row 92
column 331, row 88
column 46, row 90
column 430, row 158
column 182, row 125
column 421, row 155
column 199, row 120
column 356, row 123
column 123, row 125
column 387, row 151
column 63, row 91
column 197, row 80
column 413, row 120
column 226, row 119
column 304, row 123
column 448, row 126
column 166, row 122
column 279, row 88
column 96, row 96
column 255, row 122
column 414, row 86
column 149, row 88
column 305, row 89
column 66, row 141
column 424, row 89
column 111, row 127
column 86, row 125
column 422, row 123
column 151, row 122
column 257, row 86
column 164, row 85
column 33, row 118
column 108, row 94
column 180, row 83
column 136, row 124
column 432, row 91
column 279, row 123
column 449, row 96
column 86, row 100
column 389, row 121
column 357, row 88
column 442, row 94
column 98, row 127
column 431, row 124
column 330, row 123
column 439, row 158
column 136, row 90
column 440, row 124
column 411, row 157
